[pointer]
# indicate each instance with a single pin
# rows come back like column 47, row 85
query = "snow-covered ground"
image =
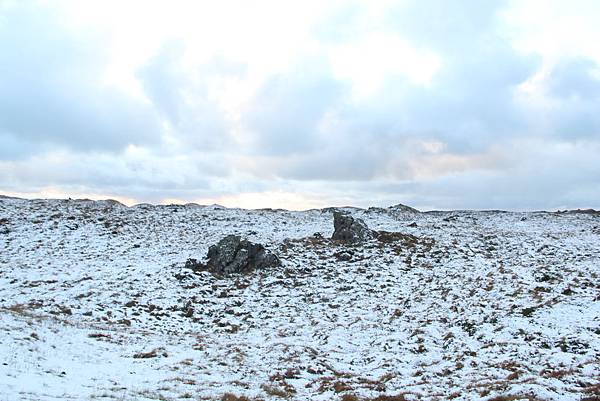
column 95, row 305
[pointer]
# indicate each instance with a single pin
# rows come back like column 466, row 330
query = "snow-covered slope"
column 95, row 304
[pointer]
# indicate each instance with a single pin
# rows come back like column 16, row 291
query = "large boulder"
column 349, row 229
column 232, row 254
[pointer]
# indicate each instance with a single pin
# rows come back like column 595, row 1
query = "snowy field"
column 95, row 304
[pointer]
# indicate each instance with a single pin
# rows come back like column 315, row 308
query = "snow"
column 483, row 304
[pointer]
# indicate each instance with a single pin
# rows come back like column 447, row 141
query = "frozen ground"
column 95, row 305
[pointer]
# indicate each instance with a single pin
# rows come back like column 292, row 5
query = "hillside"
column 95, row 303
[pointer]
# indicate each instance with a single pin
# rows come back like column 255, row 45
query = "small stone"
column 343, row 256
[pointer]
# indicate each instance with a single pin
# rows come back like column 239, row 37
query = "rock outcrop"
column 234, row 255
column 402, row 208
column 350, row 229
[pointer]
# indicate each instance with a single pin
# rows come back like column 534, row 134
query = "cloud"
column 322, row 124
column 543, row 175
column 561, row 101
column 135, row 173
column 576, row 78
column 52, row 88
column 470, row 103
column 434, row 103
column 574, row 87
column 285, row 115
column 188, row 97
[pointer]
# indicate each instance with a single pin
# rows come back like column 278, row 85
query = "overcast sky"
column 436, row 104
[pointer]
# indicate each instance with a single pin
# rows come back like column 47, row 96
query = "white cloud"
column 553, row 28
column 368, row 62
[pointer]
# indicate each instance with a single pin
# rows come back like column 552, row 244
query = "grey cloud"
column 51, row 87
column 574, row 78
column 576, row 90
column 163, row 80
column 545, row 175
column 548, row 176
column 469, row 106
column 343, row 23
column 14, row 148
column 447, row 26
column 285, row 114
column 577, row 121
column 185, row 101
column 331, row 165
column 151, row 177
column 471, row 102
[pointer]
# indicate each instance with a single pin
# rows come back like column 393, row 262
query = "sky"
column 465, row 104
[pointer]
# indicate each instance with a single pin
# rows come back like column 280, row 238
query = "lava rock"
column 234, row 255
column 349, row 229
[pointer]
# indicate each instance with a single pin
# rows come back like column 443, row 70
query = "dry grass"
column 397, row 397
column 19, row 309
column 515, row 397
column 183, row 380
column 593, row 391
column 151, row 354
column 233, row 397
column 276, row 391
column 557, row 374
column 383, row 397
column 153, row 395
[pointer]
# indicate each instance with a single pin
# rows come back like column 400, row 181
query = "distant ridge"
column 580, row 211
column 403, row 208
column 330, row 209
column 397, row 208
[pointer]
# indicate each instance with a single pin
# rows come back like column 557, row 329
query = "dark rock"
column 343, row 256
column 193, row 264
column 568, row 291
column 188, row 309
column 349, row 229
column 3, row 226
column 527, row 312
column 234, row 255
